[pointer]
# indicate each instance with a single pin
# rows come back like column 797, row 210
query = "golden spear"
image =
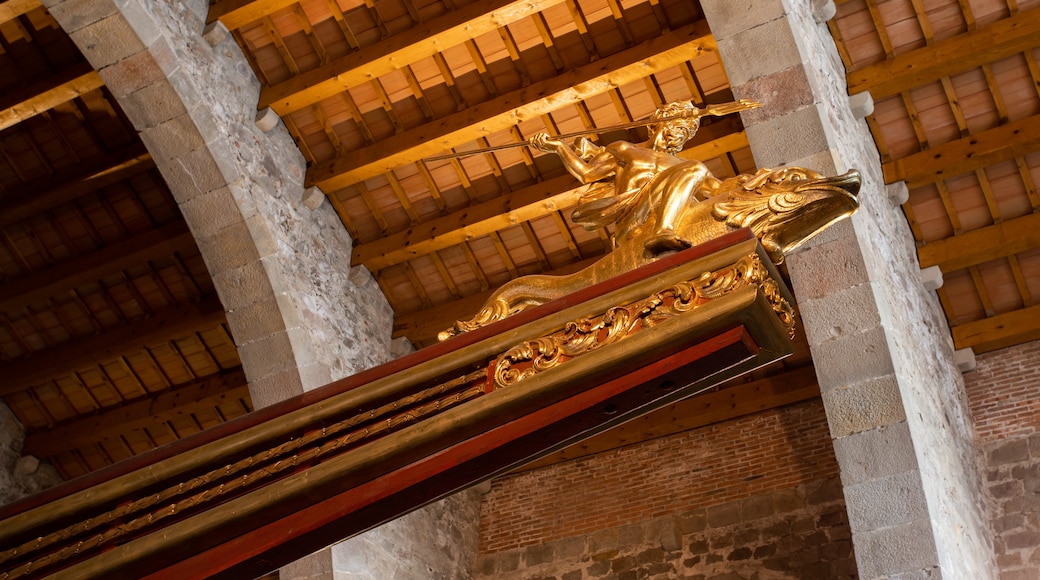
column 710, row 110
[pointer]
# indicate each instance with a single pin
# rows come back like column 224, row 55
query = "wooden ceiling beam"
column 235, row 14
column 1000, row 331
column 523, row 205
column 468, row 223
column 729, row 402
column 49, row 93
column 516, row 107
column 947, row 57
column 14, row 8
column 77, row 182
column 396, row 52
column 163, row 326
column 967, row 154
column 78, row 270
column 999, row 240
column 142, row 413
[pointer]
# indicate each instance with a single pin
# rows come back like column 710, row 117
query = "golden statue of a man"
column 648, row 177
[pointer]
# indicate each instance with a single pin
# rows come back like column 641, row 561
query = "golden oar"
column 709, row 110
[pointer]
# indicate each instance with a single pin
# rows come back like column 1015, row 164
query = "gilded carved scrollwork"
column 585, row 335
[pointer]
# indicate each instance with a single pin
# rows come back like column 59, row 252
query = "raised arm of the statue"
column 595, row 168
column 727, row 108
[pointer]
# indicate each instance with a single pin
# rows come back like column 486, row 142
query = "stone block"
column 107, row 41
column 853, row 359
column 603, row 541
column 780, row 93
column 401, row 346
column 787, row 500
column 692, row 522
column 1011, row 451
column 964, row 358
column 863, row 406
column 756, row 507
column 215, row 33
column 267, row 119
column 316, row 565
column 898, row 193
column 827, row 268
column 172, row 138
column 876, row 453
column 153, row 105
column 897, row 551
column 886, row 501
column 229, row 248
column 729, row 17
column 312, row 198
column 243, row 286
column 315, row 375
column 210, row 212
column 861, row 105
column 823, row 10
column 538, row 554
column 931, row 278
column 784, row 138
column 268, row 356
column 76, row 14
column 265, row 391
column 839, row 315
column 725, row 514
column 257, row 320
column 132, row 74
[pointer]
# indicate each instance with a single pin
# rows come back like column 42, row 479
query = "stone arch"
column 281, row 269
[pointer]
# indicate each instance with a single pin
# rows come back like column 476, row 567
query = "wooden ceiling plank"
column 344, row 26
column 619, row 20
column 167, row 324
column 548, row 41
column 422, row 41
column 402, row 197
column 968, row 13
column 994, row 89
column 1027, row 181
column 474, row 265
column 417, row 284
column 239, row 13
column 279, row 44
column 915, row 120
column 1020, row 281
column 47, row 94
column 431, row 187
column 327, row 128
column 880, row 28
column 417, row 91
column 496, row 167
column 568, row 235
column 115, row 257
column 978, row 246
column 466, row 224
column 955, row 106
column 999, row 331
column 373, row 11
column 449, row 81
column 987, row 193
column 503, row 253
column 14, row 8
column 725, row 404
column 514, row 55
column 947, row 57
column 536, row 246
column 464, row 180
column 373, row 207
column 525, row 154
column 78, row 182
column 308, row 29
column 967, row 154
column 582, row 25
column 981, row 290
column 388, row 105
column 518, row 106
column 449, row 281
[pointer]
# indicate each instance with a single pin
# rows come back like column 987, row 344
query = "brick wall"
column 760, row 492
column 1004, row 393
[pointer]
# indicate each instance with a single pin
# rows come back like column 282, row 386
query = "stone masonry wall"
column 20, row 476
column 300, row 316
column 756, row 497
column 895, row 401
column 1004, row 392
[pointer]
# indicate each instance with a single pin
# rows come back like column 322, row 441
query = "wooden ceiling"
column 113, row 341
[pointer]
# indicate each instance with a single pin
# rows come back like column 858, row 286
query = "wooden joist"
column 47, row 94
column 167, row 405
column 84, row 179
column 12, row 9
column 999, row 240
column 948, row 57
column 967, row 154
column 113, row 258
column 163, row 326
column 398, row 51
column 468, row 223
column 518, row 106
column 235, row 14
column 999, row 331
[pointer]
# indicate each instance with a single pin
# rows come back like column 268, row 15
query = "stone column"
column 894, row 399
column 279, row 258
